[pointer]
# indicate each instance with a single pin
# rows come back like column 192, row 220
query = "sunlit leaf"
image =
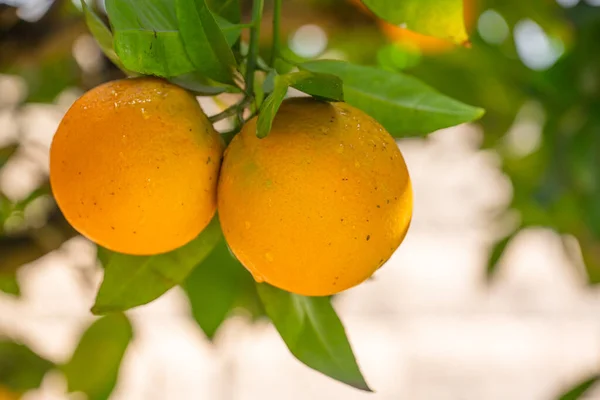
column 20, row 368
column 205, row 43
column 214, row 286
column 94, row 366
column 313, row 333
column 579, row 391
column 130, row 281
column 404, row 105
column 440, row 18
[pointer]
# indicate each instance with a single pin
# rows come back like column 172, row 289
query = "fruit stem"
column 276, row 31
column 231, row 111
column 257, row 11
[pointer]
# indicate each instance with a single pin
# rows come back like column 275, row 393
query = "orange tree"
column 295, row 172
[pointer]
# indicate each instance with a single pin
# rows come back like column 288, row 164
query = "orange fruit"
column 319, row 204
column 134, row 166
column 417, row 41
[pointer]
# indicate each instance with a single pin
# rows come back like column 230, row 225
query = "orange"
column 417, row 41
column 319, row 204
column 134, row 166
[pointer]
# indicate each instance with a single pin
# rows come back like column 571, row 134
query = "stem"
column 231, row 111
column 276, row 31
column 257, row 10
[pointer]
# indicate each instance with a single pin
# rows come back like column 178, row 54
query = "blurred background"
column 491, row 296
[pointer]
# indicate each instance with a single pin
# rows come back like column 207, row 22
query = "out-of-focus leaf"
column 101, row 33
column 20, row 368
column 9, row 284
column 580, row 389
column 228, row 9
column 440, row 18
column 131, row 281
column 6, row 153
column 404, row 105
column 205, row 43
column 94, row 366
column 214, row 286
column 313, row 333
column 497, row 251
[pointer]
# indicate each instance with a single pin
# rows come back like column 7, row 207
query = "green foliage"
column 206, row 45
column 13, row 357
column 313, row 332
column 324, row 86
column 102, row 34
column 402, row 104
column 441, row 18
column 94, row 366
column 9, row 284
column 216, row 287
column 131, row 281
column 580, row 389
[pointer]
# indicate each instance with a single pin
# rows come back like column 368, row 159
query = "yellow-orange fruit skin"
column 320, row 203
column 134, row 166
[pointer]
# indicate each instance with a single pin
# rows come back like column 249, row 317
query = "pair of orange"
column 314, row 208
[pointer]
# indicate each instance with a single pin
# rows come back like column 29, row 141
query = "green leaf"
column 146, row 38
column 6, row 153
column 205, row 43
column 101, row 33
column 440, row 18
column 228, row 9
column 20, row 368
column 404, row 105
column 497, row 251
column 271, row 105
column 94, row 366
column 201, row 85
column 214, row 286
column 580, row 390
column 313, row 333
column 325, row 86
column 131, row 281
column 9, row 284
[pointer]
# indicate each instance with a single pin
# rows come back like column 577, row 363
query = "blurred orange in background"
column 416, row 41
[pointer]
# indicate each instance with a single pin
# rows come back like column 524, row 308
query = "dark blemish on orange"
column 342, row 219
column 378, row 206
column 388, row 202
column 134, row 232
column 112, row 193
column 208, row 160
column 330, row 243
column 94, row 203
column 112, row 227
column 79, row 173
column 368, row 237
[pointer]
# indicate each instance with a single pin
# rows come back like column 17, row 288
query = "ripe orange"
column 134, row 166
column 320, row 203
column 417, row 41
